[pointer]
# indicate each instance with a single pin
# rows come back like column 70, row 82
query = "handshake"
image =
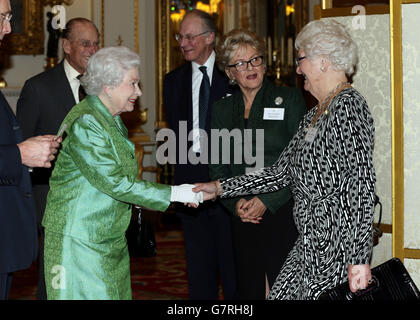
column 184, row 193
column 202, row 192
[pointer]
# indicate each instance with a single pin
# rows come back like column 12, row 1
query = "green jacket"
column 229, row 113
column 94, row 181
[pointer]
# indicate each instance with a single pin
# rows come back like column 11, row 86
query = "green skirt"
column 79, row 270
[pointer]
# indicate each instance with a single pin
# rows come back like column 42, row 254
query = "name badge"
column 273, row 113
column 310, row 134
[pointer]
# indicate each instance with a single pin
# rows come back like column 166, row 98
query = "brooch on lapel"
column 278, row 101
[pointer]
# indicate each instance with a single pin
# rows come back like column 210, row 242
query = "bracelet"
column 215, row 198
column 217, row 190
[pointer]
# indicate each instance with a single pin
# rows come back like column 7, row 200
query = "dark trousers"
column 40, row 194
column 209, row 252
column 261, row 249
column 5, row 285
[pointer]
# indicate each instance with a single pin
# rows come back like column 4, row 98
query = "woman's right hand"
column 210, row 189
column 359, row 276
column 184, row 193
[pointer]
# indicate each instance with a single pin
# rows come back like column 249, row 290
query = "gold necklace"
column 326, row 102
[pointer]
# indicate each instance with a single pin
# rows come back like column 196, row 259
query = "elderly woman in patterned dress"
column 328, row 165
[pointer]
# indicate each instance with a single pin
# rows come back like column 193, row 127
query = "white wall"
column 411, row 114
column 373, row 81
column 118, row 21
column 26, row 66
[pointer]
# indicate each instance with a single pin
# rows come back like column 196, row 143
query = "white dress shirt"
column 72, row 75
column 197, row 77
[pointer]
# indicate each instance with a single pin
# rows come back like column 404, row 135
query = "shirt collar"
column 209, row 64
column 71, row 73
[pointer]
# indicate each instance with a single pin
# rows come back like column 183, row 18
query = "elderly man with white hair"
column 94, row 184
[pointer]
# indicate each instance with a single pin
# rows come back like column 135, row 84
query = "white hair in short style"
column 330, row 39
column 107, row 67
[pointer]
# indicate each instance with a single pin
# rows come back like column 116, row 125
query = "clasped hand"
column 359, row 276
column 250, row 210
column 192, row 195
column 184, row 193
column 210, row 190
column 207, row 191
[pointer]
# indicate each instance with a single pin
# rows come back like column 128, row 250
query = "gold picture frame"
column 28, row 37
column 167, row 58
column 168, row 55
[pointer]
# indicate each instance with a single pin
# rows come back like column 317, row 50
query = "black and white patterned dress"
column 333, row 183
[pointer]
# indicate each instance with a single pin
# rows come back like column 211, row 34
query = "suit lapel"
column 11, row 119
column 63, row 86
column 186, row 90
column 218, row 89
column 256, row 115
column 238, row 111
column 218, row 86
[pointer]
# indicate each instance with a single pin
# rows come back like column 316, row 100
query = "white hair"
column 329, row 38
column 107, row 67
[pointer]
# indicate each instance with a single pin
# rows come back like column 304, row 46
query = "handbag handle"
column 377, row 233
column 377, row 201
column 374, row 284
column 139, row 216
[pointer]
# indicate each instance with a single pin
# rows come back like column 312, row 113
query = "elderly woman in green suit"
column 272, row 114
column 94, row 184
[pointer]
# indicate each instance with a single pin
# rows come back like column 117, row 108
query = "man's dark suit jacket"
column 177, row 100
column 207, row 230
column 18, row 230
column 43, row 104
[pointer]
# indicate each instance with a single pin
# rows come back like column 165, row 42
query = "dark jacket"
column 229, row 113
column 18, row 230
column 43, row 104
column 177, row 101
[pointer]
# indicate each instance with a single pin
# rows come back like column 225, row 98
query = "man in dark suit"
column 46, row 99
column 207, row 229
column 18, row 231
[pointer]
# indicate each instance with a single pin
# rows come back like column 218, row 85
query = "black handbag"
column 141, row 237
column 390, row 281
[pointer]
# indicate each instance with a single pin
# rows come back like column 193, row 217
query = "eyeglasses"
column 5, row 18
column 243, row 65
column 179, row 37
column 88, row 44
column 298, row 60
